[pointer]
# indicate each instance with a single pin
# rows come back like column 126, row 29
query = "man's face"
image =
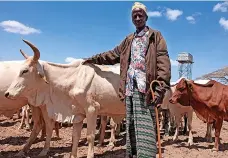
column 139, row 17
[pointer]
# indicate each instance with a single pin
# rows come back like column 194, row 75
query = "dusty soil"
column 12, row 140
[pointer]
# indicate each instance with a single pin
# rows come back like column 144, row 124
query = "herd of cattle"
column 72, row 93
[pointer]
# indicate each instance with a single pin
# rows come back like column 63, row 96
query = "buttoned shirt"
column 137, row 67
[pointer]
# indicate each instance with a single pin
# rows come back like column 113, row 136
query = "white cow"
column 84, row 91
column 178, row 111
column 8, row 71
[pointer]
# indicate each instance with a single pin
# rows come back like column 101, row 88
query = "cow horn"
column 24, row 54
column 35, row 50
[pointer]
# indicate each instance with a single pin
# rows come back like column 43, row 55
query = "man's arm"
column 163, row 62
column 108, row 58
column 163, row 69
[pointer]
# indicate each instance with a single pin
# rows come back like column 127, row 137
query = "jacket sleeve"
column 163, row 62
column 110, row 57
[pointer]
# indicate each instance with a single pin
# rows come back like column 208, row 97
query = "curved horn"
column 23, row 53
column 35, row 50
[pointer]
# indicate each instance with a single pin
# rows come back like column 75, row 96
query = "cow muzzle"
column 9, row 96
column 172, row 101
column 6, row 94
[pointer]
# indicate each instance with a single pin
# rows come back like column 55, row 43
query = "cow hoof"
column 72, row 156
column 19, row 128
column 42, row 138
column 28, row 128
column 110, row 146
column 214, row 149
column 190, row 143
column 20, row 154
column 175, row 138
column 43, row 153
column 209, row 139
column 100, row 145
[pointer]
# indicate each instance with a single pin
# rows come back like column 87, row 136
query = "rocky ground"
column 12, row 140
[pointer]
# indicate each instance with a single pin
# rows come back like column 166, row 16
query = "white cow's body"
column 83, row 91
column 177, row 111
column 85, row 94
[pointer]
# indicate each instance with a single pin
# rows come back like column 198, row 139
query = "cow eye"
column 181, row 89
column 24, row 71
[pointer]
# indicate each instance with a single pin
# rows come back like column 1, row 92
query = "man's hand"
column 159, row 95
column 86, row 61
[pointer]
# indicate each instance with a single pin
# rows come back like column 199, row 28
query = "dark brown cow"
column 209, row 101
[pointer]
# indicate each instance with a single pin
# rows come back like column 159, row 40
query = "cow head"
column 182, row 93
column 31, row 75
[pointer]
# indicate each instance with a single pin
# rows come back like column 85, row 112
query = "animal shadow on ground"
column 196, row 144
column 120, row 141
column 14, row 140
column 21, row 140
column 8, row 124
column 2, row 120
column 55, row 152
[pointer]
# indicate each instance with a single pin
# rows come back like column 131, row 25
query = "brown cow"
column 209, row 101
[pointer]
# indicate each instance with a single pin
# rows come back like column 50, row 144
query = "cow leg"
column 91, row 116
column 18, row 113
column 112, row 140
column 166, row 121
column 23, row 118
column 115, row 123
column 27, row 124
column 103, row 124
column 43, row 132
column 185, row 124
column 49, row 124
column 38, row 124
column 177, row 122
column 117, row 131
column 218, row 126
column 208, row 135
column 57, row 129
column 161, row 115
column 76, row 134
column 190, row 137
column 171, row 124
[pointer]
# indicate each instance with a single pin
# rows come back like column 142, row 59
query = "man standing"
column 143, row 57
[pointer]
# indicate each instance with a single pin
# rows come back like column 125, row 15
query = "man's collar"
column 142, row 32
column 131, row 36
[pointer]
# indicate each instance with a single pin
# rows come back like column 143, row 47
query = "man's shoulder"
column 129, row 36
column 152, row 30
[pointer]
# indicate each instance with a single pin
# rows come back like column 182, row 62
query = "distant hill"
column 220, row 75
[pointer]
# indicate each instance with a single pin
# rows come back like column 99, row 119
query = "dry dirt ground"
column 12, row 140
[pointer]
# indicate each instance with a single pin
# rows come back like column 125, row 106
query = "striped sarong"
column 140, row 126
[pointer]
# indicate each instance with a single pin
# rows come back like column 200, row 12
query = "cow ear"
column 43, row 77
column 24, row 54
column 189, row 85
